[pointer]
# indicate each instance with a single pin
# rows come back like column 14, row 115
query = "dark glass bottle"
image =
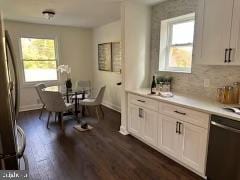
column 153, row 86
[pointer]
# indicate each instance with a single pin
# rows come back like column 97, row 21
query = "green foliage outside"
column 38, row 53
column 40, row 65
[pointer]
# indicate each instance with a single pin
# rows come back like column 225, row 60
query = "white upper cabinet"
column 217, row 33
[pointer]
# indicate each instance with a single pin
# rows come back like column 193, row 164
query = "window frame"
column 166, row 34
column 57, row 59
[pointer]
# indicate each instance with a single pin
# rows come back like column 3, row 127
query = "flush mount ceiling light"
column 48, row 14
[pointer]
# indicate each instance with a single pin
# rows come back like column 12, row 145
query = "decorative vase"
column 69, row 84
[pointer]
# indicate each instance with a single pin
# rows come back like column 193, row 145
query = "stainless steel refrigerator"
column 12, row 138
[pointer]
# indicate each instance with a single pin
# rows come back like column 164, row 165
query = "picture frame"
column 105, row 57
column 109, row 57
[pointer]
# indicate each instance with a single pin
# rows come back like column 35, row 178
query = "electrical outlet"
column 206, row 83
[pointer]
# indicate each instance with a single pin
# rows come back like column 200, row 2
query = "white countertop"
column 192, row 102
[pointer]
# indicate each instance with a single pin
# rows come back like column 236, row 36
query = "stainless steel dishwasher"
column 223, row 161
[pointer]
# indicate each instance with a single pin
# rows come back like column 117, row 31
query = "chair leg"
column 56, row 114
column 49, row 115
column 87, row 110
column 98, row 117
column 40, row 116
column 60, row 119
column 100, row 107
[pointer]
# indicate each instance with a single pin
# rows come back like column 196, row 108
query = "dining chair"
column 54, row 102
column 83, row 85
column 96, row 102
column 39, row 88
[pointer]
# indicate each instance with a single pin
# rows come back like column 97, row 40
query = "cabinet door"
column 169, row 140
column 194, row 146
column 134, row 121
column 213, row 31
column 150, row 126
column 235, row 34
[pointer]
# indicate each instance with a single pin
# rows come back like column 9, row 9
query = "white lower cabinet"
column 143, row 123
column 194, row 146
column 150, row 126
column 183, row 141
column 134, row 125
column 176, row 135
column 168, row 139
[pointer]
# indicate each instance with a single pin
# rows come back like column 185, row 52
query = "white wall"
column 74, row 48
column 135, row 25
column 107, row 33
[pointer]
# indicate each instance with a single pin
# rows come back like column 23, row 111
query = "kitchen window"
column 176, row 44
column 39, row 59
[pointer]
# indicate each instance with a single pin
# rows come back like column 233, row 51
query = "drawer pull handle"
column 141, row 101
column 180, row 113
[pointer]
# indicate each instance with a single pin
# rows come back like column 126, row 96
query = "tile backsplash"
column 188, row 83
column 194, row 83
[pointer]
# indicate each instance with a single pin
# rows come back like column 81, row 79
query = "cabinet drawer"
column 184, row 114
column 143, row 102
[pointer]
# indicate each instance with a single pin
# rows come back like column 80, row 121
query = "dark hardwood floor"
column 102, row 153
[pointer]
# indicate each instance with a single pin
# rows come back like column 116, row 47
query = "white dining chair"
column 96, row 102
column 39, row 87
column 54, row 102
column 85, row 86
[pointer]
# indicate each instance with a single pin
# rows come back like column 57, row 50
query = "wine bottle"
column 154, row 86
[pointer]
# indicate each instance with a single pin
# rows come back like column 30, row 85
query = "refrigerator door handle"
column 23, row 142
column 10, row 47
column 26, row 163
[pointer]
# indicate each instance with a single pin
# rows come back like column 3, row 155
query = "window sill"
column 175, row 71
column 32, row 84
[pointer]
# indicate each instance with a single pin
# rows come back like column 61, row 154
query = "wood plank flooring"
column 102, row 153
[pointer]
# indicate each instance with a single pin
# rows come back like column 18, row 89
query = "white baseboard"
column 30, row 107
column 123, row 131
column 112, row 106
column 39, row 106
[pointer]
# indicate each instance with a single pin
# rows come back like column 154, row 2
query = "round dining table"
column 69, row 94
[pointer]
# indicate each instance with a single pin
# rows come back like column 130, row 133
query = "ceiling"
column 82, row 13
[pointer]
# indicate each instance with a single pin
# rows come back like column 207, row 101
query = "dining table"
column 70, row 95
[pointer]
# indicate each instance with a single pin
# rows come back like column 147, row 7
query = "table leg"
column 84, row 125
column 76, row 107
column 67, row 96
column 83, row 107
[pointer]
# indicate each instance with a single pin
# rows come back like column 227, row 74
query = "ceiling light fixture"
column 49, row 14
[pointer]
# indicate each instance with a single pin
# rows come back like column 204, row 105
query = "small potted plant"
column 66, row 69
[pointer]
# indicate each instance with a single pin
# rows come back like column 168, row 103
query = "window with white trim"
column 176, row 44
column 39, row 59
